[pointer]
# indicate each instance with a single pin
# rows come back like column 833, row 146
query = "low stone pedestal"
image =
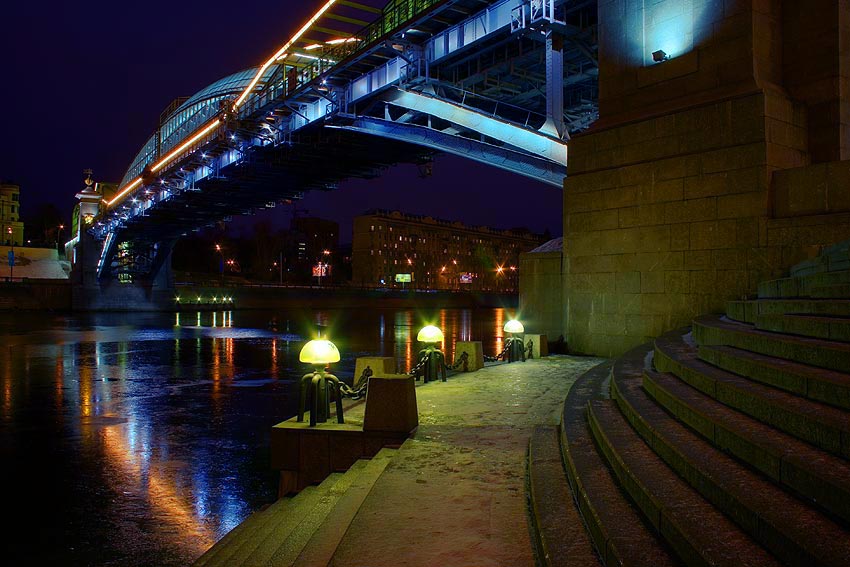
column 540, row 345
column 476, row 354
column 391, row 404
column 306, row 455
column 380, row 365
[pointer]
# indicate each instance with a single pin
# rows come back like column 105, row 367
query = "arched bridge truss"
column 362, row 86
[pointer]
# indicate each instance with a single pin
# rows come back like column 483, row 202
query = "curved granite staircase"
column 724, row 444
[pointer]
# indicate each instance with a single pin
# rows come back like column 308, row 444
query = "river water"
column 140, row 439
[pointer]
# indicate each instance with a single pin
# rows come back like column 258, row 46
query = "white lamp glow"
column 514, row 326
column 319, row 351
column 430, row 334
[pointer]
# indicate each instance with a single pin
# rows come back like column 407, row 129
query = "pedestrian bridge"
column 360, row 87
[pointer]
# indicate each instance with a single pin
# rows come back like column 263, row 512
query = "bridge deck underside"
column 317, row 159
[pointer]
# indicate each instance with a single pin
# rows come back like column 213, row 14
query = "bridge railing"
column 285, row 81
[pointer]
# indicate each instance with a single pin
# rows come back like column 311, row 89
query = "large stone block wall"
column 666, row 218
column 795, row 239
column 813, row 190
column 816, row 71
column 541, row 305
column 712, row 49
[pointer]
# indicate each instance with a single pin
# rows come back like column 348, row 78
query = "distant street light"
column 11, row 255
column 220, row 262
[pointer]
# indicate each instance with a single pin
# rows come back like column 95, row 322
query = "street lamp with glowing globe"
column 434, row 359
column 515, row 344
column 320, row 353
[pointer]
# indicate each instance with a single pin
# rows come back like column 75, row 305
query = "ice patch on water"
column 252, row 383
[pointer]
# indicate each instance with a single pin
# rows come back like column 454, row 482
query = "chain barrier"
column 500, row 356
column 419, row 367
column 360, row 387
column 462, row 360
column 361, row 384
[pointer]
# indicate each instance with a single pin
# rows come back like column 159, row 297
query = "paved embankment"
column 455, row 493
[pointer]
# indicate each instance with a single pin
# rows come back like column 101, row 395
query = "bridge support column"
column 89, row 292
column 554, row 85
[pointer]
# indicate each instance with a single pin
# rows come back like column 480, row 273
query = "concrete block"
column 380, row 365
column 539, row 346
column 391, row 404
column 475, row 350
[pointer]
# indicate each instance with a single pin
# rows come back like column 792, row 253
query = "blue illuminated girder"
column 523, row 138
column 523, row 163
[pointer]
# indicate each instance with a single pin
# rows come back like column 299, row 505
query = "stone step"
column 698, row 532
column 288, row 537
column 830, row 328
column 273, row 523
column 840, row 291
column 831, row 258
column 248, row 528
column 827, row 386
column 712, row 330
column 619, row 533
column 559, row 532
column 801, row 285
column 822, row 478
column 321, row 547
column 769, row 514
column 821, row 425
column 747, row 311
column 239, row 530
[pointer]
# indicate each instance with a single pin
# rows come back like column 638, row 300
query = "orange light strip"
column 185, row 145
column 123, row 193
column 281, row 53
column 215, row 123
column 164, row 161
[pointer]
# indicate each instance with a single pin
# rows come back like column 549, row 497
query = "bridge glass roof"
column 185, row 118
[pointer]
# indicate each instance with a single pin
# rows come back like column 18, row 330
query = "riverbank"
column 57, row 295
column 271, row 296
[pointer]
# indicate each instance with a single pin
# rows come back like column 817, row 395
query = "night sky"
column 84, row 83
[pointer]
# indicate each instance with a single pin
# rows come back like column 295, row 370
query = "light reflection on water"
column 141, row 439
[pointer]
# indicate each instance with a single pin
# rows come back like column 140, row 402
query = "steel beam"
column 514, row 161
column 526, row 139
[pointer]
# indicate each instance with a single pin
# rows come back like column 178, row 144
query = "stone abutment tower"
column 709, row 171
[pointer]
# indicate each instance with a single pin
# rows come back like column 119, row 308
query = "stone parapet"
column 475, row 350
column 380, row 365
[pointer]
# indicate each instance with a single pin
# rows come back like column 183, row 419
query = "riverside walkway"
column 453, row 494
